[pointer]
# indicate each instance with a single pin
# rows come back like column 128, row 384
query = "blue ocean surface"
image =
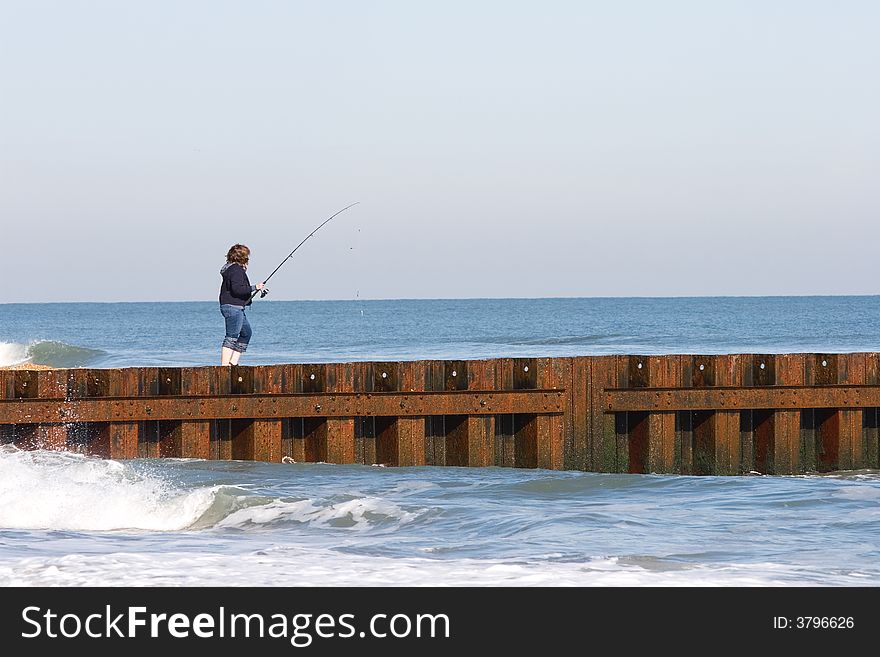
column 67, row 519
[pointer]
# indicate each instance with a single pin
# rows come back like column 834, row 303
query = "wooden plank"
column 221, row 382
column 455, row 427
column 194, row 436
column 758, row 446
column 663, row 371
column 602, row 447
column 170, row 438
column 504, row 434
column 340, row 430
column 314, row 428
column 852, row 369
column 292, row 446
column 871, row 453
column 384, row 377
column 633, row 434
column 148, row 430
column 7, row 429
column 413, row 378
column 266, row 434
column 552, row 374
column 525, row 452
column 790, row 370
column 728, row 371
column 578, row 451
column 53, row 436
column 123, row 436
column 22, row 384
column 480, row 429
column 438, row 422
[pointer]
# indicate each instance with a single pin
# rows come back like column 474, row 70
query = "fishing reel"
column 264, row 292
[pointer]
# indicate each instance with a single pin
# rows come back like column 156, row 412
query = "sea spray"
column 64, row 491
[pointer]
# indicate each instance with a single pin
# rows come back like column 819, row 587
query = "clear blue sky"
column 497, row 148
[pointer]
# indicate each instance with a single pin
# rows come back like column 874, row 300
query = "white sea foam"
column 295, row 566
column 63, row 491
column 358, row 513
column 13, row 353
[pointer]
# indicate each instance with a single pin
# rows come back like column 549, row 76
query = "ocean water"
column 66, row 519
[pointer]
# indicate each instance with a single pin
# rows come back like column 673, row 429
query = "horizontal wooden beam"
column 261, row 406
column 737, row 398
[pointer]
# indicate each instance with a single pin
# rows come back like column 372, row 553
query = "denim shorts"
column 238, row 329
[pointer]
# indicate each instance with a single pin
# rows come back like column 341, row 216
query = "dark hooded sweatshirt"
column 235, row 289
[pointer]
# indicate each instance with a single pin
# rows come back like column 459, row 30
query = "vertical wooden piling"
column 525, row 444
column 758, row 430
column 577, row 449
column 340, row 431
column 413, row 431
column 837, row 437
column 292, row 436
column 602, row 425
column 169, row 431
column 871, row 449
column 52, row 384
column 221, row 430
column 435, row 442
column 470, row 440
column 504, row 431
column 663, row 372
column 314, row 428
column 715, row 436
column 255, row 439
column 148, row 430
column 266, row 434
column 123, row 435
column 551, row 430
column 22, row 384
column 852, row 370
column 195, row 435
column 390, row 449
column 92, row 438
column 646, row 442
column 787, row 424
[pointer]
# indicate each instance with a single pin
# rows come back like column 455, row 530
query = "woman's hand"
column 260, row 286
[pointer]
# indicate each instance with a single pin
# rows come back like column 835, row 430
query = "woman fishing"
column 236, row 293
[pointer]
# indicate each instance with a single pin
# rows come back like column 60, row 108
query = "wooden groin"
column 682, row 414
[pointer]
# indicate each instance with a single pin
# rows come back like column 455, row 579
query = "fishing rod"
column 264, row 291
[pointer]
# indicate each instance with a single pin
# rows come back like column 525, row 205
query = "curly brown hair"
column 238, row 253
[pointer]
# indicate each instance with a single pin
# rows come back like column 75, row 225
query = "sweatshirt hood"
column 225, row 267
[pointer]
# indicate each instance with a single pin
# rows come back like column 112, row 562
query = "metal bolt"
column 454, row 373
column 702, row 367
column 25, row 384
column 317, row 407
column 639, row 366
column 167, row 380
column 312, row 377
column 824, row 363
column 384, row 375
column 762, row 366
column 482, row 402
column 526, row 368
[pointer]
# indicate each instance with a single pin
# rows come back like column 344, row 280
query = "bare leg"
column 226, row 355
